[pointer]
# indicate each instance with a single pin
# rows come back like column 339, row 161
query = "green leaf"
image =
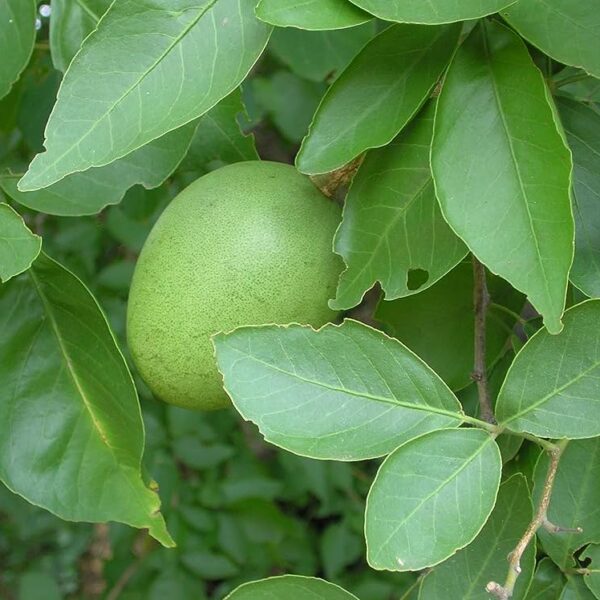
column 466, row 574
column 319, row 55
column 344, row 392
column 551, row 389
column 173, row 66
column 19, row 247
column 548, row 582
column 311, row 14
column 502, row 170
column 71, row 22
column 430, row 498
column 566, row 30
column 289, row 100
column 340, row 548
column 439, row 323
column 89, row 192
column 71, row 434
column 208, row 565
column 576, row 590
column 392, row 222
column 218, row 139
column 377, row 94
column 290, row 586
column 582, row 126
column 17, row 37
column 37, row 585
column 574, row 502
column 592, row 580
column 432, row 12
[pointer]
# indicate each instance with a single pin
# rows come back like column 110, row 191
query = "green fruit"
column 248, row 244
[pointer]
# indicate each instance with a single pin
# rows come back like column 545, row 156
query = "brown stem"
column 505, row 592
column 93, row 583
column 481, row 302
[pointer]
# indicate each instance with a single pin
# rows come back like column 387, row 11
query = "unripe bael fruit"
column 248, row 244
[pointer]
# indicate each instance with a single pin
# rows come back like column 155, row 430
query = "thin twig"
column 540, row 519
column 481, row 302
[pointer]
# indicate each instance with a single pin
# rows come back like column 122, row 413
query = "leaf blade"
column 19, row 247
column 564, row 405
column 566, row 30
column 518, row 179
column 466, row 574
column 156, row 95
column 313, row 15
column 301, row 371
column 406, row 500
column 290, row 586
column 78, row 417
column 405, row 61
column 437, row 12
column 17, row 38
column 392, row 223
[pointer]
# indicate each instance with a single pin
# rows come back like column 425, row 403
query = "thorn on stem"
column 552, row 528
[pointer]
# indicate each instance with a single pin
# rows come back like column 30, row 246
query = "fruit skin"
column 248, row 244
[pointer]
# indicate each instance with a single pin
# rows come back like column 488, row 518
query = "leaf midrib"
column 70, row 369
column 514, row 160
column 396, row 402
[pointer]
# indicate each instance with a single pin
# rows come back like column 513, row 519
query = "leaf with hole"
column 466, row 574
column 438, row 324
column 392, row 224
column 345, row 392
column 582, row 127
column 311, row 14
column 17, row 37
column 574, row 502
column 591, row 555
column 290, row 586
column 566, row 30
column 430, row 498
column 177, row 65
column 502, row 170
column 69, row 409
column 377, row 95
column 19, row 247
column 432, row 12
column 551, row 389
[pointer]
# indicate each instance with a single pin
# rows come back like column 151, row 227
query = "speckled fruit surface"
column 248, row 244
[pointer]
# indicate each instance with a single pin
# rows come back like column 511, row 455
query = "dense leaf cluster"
column 470, row 133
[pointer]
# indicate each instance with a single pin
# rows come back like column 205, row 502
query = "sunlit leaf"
column 123, row 91
column 551, row 389
column 344, row 392
column 566, row 30
column 502, row 170
column 432, row 12
column 376, row 96
column 311, row 14
column 430, row 498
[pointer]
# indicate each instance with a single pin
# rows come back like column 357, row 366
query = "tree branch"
column 481, row 302
column 540, row 519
